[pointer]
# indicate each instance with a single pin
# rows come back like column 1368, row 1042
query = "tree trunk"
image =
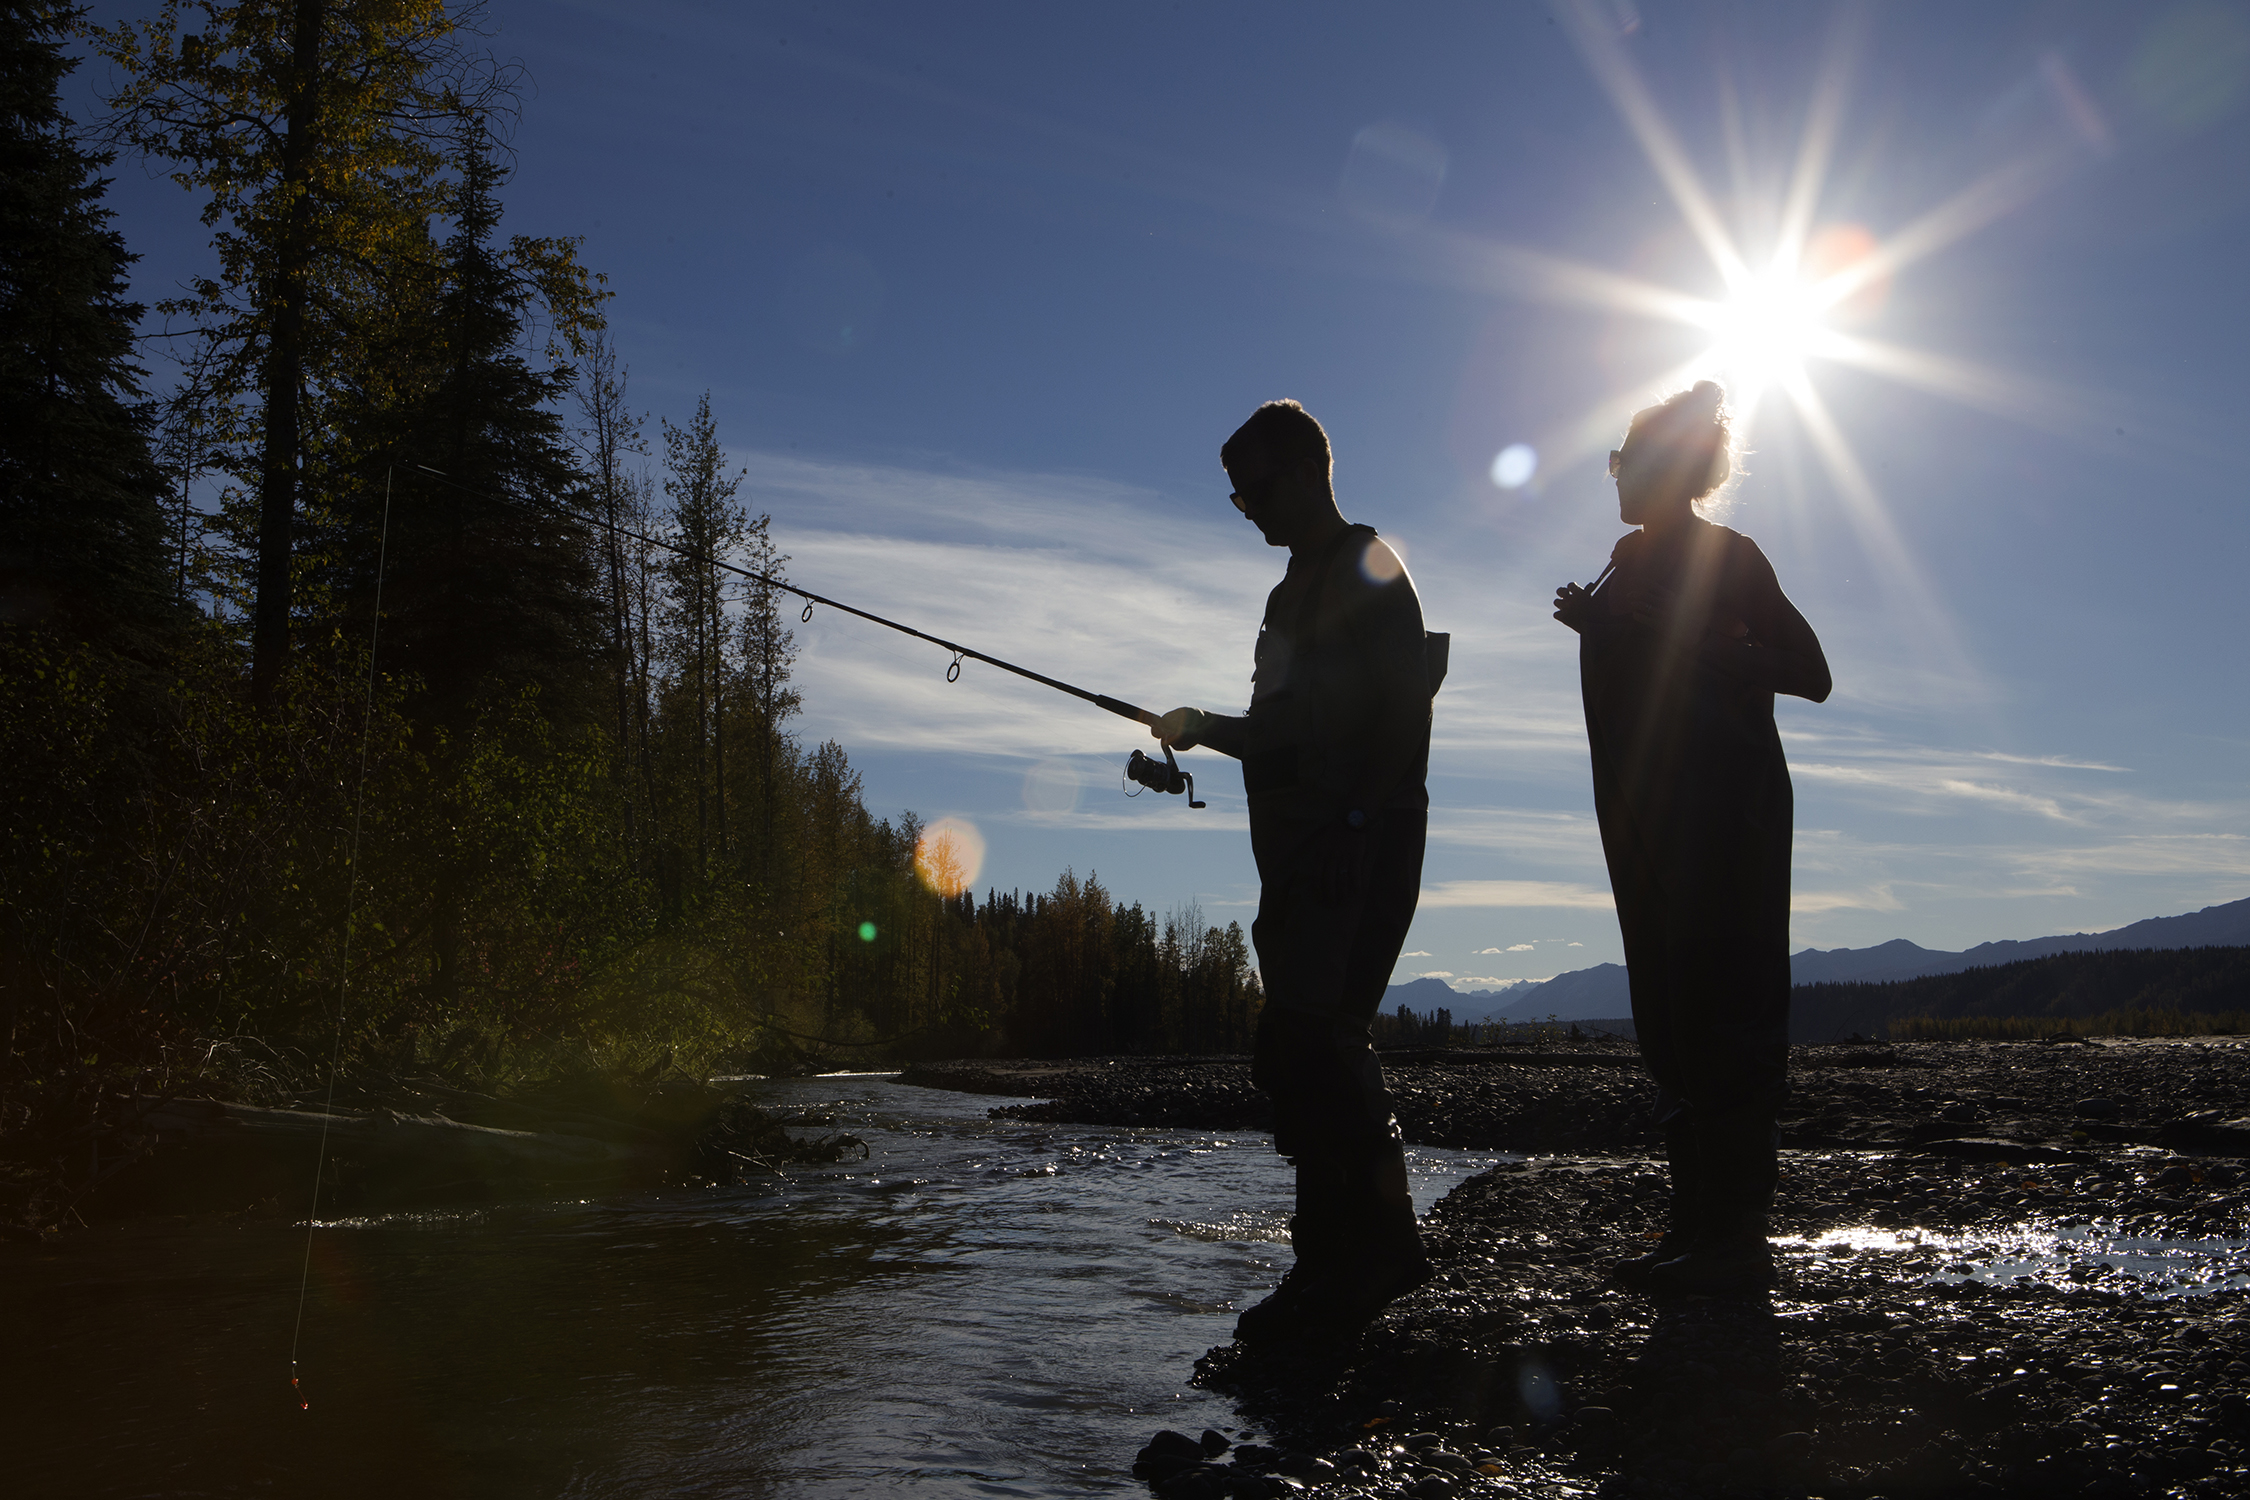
column 285, row 369
column 719, row 707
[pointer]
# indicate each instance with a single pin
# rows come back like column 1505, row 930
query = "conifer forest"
column 384, row 598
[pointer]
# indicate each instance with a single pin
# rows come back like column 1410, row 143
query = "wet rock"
column 1167, row 1454
column 1201, row 1482
column 2097, row 1108
column 1214, row 1442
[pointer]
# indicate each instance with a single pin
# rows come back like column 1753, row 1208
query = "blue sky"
column 978, row 290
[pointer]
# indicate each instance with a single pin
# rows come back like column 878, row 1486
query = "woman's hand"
column 1573, row 606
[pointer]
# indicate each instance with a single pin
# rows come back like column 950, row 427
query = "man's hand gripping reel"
column 1167, row 777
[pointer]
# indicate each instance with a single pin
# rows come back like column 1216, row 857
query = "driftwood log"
column 201, row 1154
column 573, row 1139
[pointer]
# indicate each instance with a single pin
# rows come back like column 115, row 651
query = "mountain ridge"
column 1602, row 993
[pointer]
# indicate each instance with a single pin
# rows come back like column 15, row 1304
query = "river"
column 981, row 1308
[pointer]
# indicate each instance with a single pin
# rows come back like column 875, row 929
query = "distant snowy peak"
column 1427, row 996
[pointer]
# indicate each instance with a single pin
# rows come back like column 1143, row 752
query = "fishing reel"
column 1160, row 777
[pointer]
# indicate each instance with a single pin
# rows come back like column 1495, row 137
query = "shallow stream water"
column 980, row 1308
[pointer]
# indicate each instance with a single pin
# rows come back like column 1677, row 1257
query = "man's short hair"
column 1285, row 433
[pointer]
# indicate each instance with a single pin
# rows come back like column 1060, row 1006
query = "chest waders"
column 1692, row 793
column 1354, row 1235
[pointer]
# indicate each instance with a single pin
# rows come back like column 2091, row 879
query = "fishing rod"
column 1165, row 777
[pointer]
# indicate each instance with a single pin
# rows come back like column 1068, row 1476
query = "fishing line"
column 344, row 979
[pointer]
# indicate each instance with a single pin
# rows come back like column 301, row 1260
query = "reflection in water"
column 982, row 1308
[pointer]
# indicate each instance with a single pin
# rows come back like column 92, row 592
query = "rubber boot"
column 1320, row 1234
column 1730, row 1255
column 1687, row 1208
column 1390, row 1260
column 1366, row 1253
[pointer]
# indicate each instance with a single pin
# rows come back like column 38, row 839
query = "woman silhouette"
column 1683, row 641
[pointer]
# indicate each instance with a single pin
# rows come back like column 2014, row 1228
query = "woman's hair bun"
column 1694, row 423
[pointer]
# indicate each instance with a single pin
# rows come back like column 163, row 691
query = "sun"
column 1773, row 323
column 1765, row 332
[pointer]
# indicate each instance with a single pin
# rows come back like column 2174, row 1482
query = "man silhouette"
column 1335, row 755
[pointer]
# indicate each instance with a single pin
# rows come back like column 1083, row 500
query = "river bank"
column 386, row 1143
column 2009, row 1269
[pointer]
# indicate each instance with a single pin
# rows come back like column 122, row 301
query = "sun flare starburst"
column 1789, row 295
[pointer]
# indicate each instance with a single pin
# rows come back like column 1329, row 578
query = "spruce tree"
column 609, row 433
column 769, row 650
column 81, row 519
column 491, row 580
column 706, row 525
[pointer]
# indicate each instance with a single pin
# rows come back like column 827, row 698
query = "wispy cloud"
column 1875, row 898
column 1923, row 784
column 2059, row 762
column 1515, row 893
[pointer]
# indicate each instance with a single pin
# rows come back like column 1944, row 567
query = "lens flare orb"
column 949, row 855
column 1514, row 466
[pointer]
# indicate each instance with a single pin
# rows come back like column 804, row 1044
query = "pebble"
column 1859, row 1378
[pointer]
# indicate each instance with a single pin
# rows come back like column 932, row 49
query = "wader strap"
column 1308, row 608
column 1437, row 645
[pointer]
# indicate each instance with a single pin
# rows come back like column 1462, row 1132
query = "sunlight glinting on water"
column 2044, row 1251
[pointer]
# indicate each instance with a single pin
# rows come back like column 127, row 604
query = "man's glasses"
column 1616, row 455
column 1243, row 502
